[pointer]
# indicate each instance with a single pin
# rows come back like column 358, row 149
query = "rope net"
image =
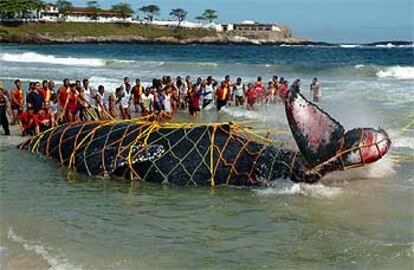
column 153, row 151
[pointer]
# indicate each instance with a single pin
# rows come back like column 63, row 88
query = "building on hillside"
column 81, row 14
column 51, row 13
column 248, row 26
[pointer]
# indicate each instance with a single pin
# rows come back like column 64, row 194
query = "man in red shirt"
column 283, row 88
column 63, row 93
column 17, row 101
column 251, row 97
column 45, row 117
column 29, row 122
column 260, row 90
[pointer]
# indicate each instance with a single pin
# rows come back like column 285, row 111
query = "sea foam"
column 349, row 46
column 55, row 262
column 397, row 72
column 281, row 187
column 32, row 57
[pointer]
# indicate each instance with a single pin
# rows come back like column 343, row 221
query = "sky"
column 320, row 20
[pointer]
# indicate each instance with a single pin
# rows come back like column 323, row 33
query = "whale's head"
column 362, row 146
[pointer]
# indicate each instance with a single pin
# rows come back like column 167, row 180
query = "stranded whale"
column 212, row 154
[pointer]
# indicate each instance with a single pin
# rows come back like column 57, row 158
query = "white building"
column 51, row 13
column 249, row 26
column 80, row 14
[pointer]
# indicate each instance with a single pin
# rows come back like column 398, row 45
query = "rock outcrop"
column 218, row 39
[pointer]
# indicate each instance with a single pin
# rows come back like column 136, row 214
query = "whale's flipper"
column 316, row 133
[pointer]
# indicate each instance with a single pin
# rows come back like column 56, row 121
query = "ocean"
column 53, row 218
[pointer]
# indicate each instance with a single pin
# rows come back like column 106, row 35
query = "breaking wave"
column 392, row 45
column 349, row 45
column 397, row 72
column 32, row 57
column 360, row 70
column 290, row 188
column 55, row 262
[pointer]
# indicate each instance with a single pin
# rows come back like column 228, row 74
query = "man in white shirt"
column 208, row 92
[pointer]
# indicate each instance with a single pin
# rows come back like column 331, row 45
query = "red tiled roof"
column 85, row 10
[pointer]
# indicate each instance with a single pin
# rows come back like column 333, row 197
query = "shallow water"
column 359, row 219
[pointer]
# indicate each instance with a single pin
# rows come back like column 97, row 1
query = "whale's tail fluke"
column 322, row 140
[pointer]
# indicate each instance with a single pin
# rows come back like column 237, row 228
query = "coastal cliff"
column 45, row 33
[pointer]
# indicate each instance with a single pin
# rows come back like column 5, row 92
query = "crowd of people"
column 42, row 106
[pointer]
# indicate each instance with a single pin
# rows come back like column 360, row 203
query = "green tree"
column 64, row 6
column 180, row 14
column 151, row 11
column 18, row 7
column 93, row 5
column 200, row 18
column 210, row 15
column 123, row 8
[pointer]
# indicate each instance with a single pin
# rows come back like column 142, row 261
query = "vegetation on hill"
column 69, row 29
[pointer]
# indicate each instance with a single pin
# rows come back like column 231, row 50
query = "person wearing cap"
column 29, row 123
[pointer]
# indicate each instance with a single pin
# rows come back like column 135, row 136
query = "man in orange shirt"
column 63, row 93
column 17, row 101
column 223, row 95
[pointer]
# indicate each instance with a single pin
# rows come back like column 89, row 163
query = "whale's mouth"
column 363, row 146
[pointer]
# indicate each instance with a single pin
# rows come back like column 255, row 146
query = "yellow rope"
column 411, row 123
column 212, row 156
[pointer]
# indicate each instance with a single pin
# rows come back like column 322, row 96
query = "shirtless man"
column 136, row 92
column 251, row 96
column 100, row 106
column 315, row 90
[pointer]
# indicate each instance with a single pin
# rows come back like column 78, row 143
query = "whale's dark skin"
column 186, row 156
